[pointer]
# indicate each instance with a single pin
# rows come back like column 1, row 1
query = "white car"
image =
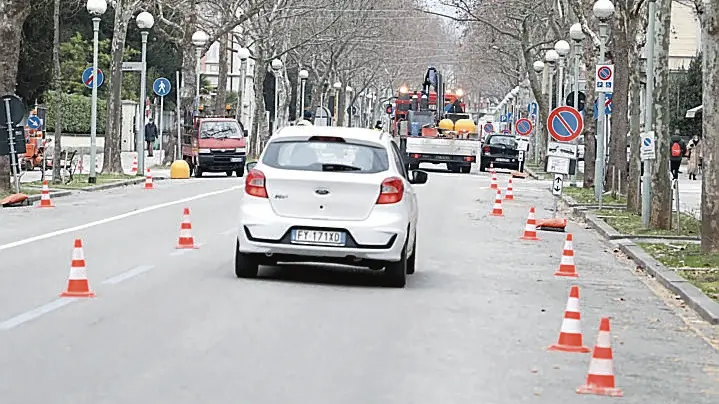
column 329, row 194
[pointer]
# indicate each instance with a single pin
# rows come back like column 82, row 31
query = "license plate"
column 318, row 237
column 504, row 160
column 236, row 159
column 443, row 157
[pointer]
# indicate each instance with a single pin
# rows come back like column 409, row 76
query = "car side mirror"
column 418, row 177
column 251, row 165
column 245, row 132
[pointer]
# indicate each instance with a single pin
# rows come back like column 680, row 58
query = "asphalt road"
column 472, row 326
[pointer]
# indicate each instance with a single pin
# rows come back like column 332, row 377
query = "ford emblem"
column 322, row 191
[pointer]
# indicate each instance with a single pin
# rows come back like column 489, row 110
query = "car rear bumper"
column 381, row 237
column 221, row 163
column 503, row 161
column 416, row 158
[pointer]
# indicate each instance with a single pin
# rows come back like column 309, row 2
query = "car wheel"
column 412, row 260
column 228, row 173
column 240, row 172
column 465, row 169
column 482, row 167
column 395, row 273
column 246, row 266
column 198, row 172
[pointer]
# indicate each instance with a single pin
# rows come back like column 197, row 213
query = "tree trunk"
column 113, row 132
column 661, row 185
column 57, row 101
column 620, row 102
column 710, row 123
column 13, row 14
column 590, row 123
column 259, row 132
column 634, row 202
column 222, row 76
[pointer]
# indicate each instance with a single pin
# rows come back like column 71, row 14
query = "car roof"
column 357, row 134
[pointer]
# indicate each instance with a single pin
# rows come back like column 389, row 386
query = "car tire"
column 198, row 172
column 228, row 173
column 246, row 266
column 395, row 273
column 240, row 172
column 412, row 260
column 482, row 167
column 465, row 169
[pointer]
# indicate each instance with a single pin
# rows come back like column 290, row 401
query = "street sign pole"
column 601, row 78
column 557, row 186
column 179, row 117
column 11, row 144
column 648, row 117
column 92, row 177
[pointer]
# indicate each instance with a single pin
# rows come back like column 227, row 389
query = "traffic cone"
column 80, row 166
column 186, row 240
column 566, row 266
column 45, row 201
column 133, row 171
column 570, row 335
column 77, row 283
column 497, row 210
column 493, row 184
column 509, row 195
column 600, row 377
column 148, row 180
column 530, row 229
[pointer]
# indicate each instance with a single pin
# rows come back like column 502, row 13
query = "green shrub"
column 75, row 113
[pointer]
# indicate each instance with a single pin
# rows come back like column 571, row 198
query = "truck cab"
column 215, row 145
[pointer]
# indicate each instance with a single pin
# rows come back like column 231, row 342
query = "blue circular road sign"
column 34, row 122
column 647, row 142
column 524, row 126
column 87, row 77
column 565, row 124
column 604, row 73
column 161, row 86
column 488, row 128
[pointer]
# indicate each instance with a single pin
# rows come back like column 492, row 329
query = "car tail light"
column 326, row 139
column 485, row 149
column 469, row 158
column 391, row 191
column 416, row 156
column 255, row 184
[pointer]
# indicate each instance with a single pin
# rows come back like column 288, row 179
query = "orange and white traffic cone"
column 186, row 240
column 45, row 201
column 600, row 377
column 148, row 180
column 566, row 266
column 509, row 195
column 133, row 171
column 497, row 210
column 493, row 184
column 570, row 335
column 530, row 229
column 77, row 283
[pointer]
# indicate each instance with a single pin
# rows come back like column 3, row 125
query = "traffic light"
column 388, row 109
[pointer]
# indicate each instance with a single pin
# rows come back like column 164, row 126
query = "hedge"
column 75, row 113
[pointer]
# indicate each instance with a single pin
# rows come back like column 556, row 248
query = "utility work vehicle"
column 433, row 127
column 215, row 144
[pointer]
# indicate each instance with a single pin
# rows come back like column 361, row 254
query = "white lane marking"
column 113, row 218
column 35, row 313
column 128, row 274
column 184, row 250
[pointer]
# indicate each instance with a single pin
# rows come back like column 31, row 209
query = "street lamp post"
column 648, row 113
column 243, row 54
column 538, row 67
column 577, row 35
column 144, row 21
column 337, row 86
column 96, row 8
column 562, row 47
column 603, row 10
column 276, row 65
column 304, row 74
column 199, row 40
column 550, row 58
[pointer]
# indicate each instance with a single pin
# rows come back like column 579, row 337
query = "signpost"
column 604, row 79
column 488, row 128
column 34, row 122
column 87, row 77
column 13, row 111
column 503, row 118
column 532, row 108
column 607, row 106
column 565, row 123
column 505, row 131
column 648, row 147
column 557, row 186
column 524, row 126
column 161, row 87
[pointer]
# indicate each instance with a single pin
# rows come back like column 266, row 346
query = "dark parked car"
column 501, row 151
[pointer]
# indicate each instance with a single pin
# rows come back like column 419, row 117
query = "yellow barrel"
column 465, row 125
column 446, row 124
column 180, row 170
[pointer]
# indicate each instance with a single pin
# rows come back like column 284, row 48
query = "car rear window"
column 326, row 156
column 503, row 140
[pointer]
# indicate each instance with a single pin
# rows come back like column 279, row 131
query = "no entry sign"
column 524, row 126
column 565, row 124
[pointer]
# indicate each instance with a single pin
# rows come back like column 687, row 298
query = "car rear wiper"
column 339, row 167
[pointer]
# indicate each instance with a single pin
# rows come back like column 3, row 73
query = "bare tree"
column 56, row 84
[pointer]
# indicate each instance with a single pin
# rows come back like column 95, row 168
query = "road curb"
column 119, row 184
column 53, row 194
column 707, row 308
column 533, row 174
